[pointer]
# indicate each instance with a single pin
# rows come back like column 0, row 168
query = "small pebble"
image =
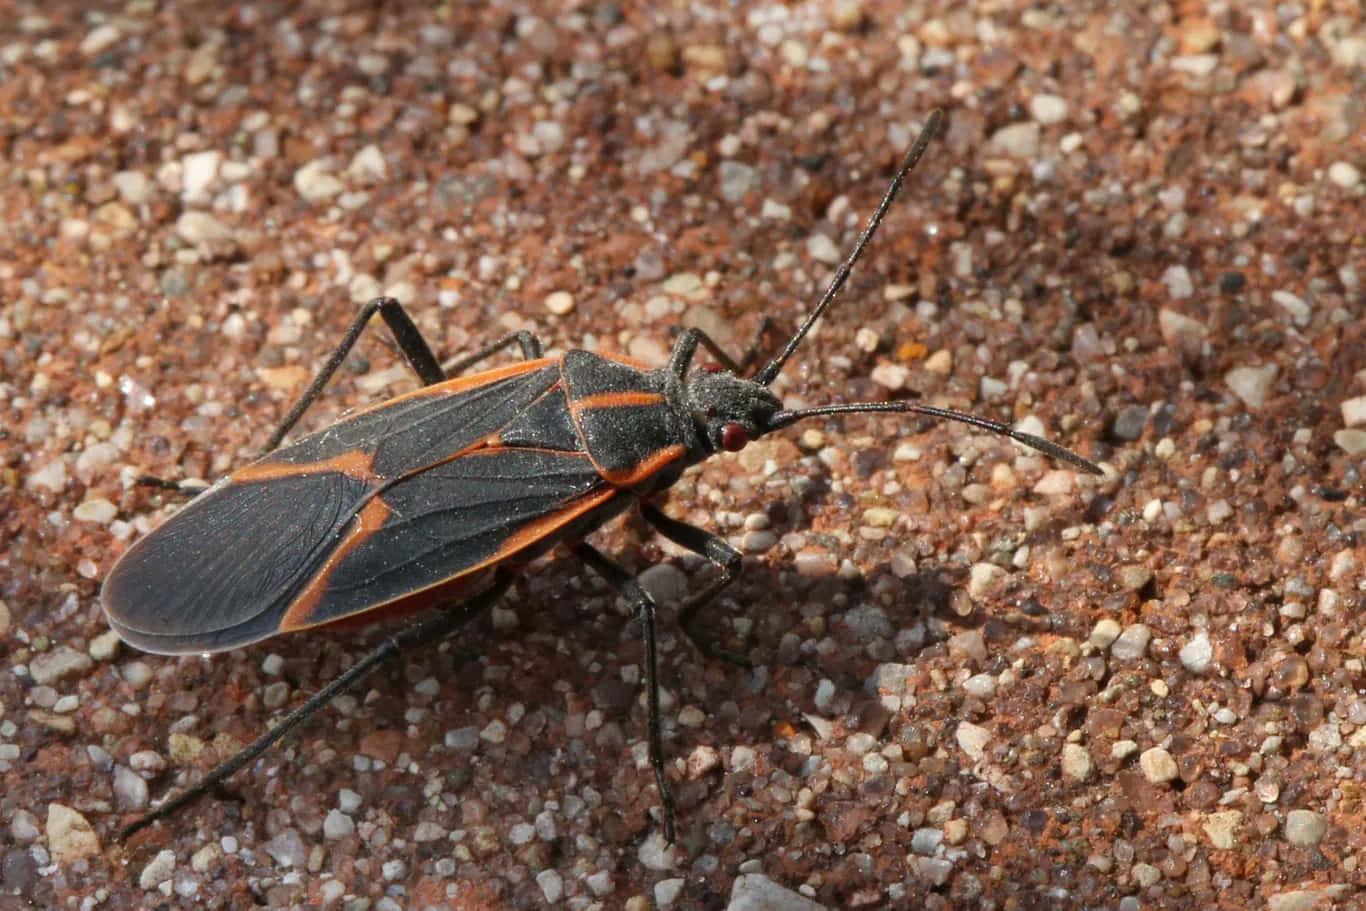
column 368, row 165
column 940, row 362
column 756, row 892
column 1048, row 109
column 1344, row 174
column 701, row 761
column 1018, row 140
column 757, row 542
column 1129, row 423
column 742, row 759
column 1221, row 828
column 1305, row 827
column 814, row 563
column 337, row 825
column 197, row 172
column 823, row 249
column 23, row 827
column 983, row 578
column 983, row 686
column 1310, row 899
column 159, row 870
column 1197, row 654
column 96, row 509
column 600, row 883
column 1123, row 749
column 58, row 664
column 1178, row 281
column 1351, row 441
column 466, row 738
column 552, row 885
column 1104, row 633
column 736, row 180
column 972, row 739
column 1076, row 762
column 1354, row 411
column 926, row 841
column 860, row 743
column 1059, row 481
column 1133, row 576
column 130, row 789
column 315, row 184
column 288, row 850
column 824, row 699
column 1132, row 643
column 969, row 644
column 348, row 801
column 1294, row 305
column 667, row 891
column 664, row 582
column 428, row 831
column 890, row 376
column 1184, row 335
column 104, row 646
column 1252, row 384
column 100, row 39
column 206, row 858
column 1157, row 765
column 560, row 303
column 657, row 854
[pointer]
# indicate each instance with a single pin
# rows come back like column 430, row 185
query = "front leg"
column 720, row 554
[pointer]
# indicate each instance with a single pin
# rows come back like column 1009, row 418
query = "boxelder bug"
column 425, row 498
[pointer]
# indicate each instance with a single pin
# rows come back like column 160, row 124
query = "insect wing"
column 450, row 520
column 226, row 570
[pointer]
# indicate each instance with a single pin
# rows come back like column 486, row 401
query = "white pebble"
column 1197, row 654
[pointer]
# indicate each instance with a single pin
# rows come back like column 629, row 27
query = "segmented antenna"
column 770, row 371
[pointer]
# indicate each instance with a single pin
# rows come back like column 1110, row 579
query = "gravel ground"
column 979, row 680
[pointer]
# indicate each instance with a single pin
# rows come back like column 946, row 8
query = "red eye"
column 734, row 437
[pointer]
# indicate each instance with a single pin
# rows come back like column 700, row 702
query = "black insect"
column 436, row 497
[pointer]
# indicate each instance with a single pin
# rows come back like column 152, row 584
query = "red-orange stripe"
column 623, row 359
column 296, row 618
column 616, row 400
column 354, row 463
column 461, row 383
column 369, row 520
column 629, row 477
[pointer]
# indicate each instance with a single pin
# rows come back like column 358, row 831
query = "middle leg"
column 644, row 605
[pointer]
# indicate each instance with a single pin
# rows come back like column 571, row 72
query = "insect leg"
column 184, row 488
column 724, row 557
column 410, row 342
column 644, row 605
column 740, row 367
column 530, row 345
column 436, row 627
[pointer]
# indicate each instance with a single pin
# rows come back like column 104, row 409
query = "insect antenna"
column 769, row 372
column 1047, row 447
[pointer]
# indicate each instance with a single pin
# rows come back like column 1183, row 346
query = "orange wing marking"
column 354, row 463
column 374, row 515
